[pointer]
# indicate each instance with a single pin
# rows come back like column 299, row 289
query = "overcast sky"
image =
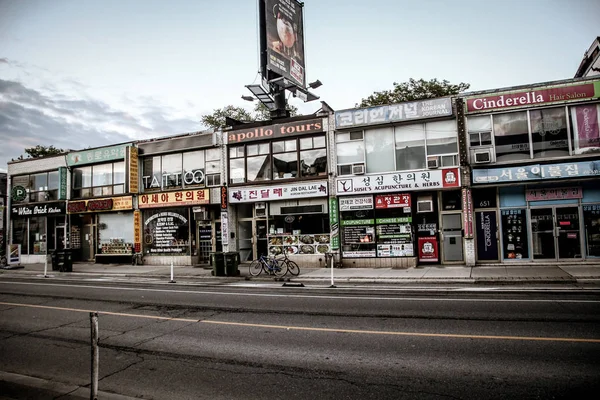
column 78, row 73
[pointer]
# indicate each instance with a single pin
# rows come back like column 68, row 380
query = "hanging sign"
column 224, row 228
column 62, row 183
column 223, row 197
column 334, row 223
column 467, row 206
column 132, row 157
column 137, row 230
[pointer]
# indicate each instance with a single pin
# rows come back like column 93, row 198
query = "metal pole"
column 171, row 281
column 95, row 355
column 46, row 262
column 331, row 260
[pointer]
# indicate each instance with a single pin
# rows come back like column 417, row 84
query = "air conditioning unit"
column 358, row 169
column 424, row 206
column 433, row 162
column 483, row 156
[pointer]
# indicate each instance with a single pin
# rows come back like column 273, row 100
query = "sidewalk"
column 504, row 274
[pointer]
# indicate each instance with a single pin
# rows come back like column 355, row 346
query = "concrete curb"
column 30, row 387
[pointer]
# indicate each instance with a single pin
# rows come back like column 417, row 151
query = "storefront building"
column 179, row 201
column 398, row 185
column 100, row 209
column 36, row 211
column 535, row 154
column 278, row 190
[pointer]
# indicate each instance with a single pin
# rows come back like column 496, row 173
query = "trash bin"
column 232, row 260
column 217, row 260
column 54, row 256
column 65, row 260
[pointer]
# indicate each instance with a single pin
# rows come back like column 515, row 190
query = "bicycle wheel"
column 255, row 268
column 293, row 268
column 279, row 268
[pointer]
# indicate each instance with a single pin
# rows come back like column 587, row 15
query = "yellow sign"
column 137, row 230
column 133, row 169
column 172, row 199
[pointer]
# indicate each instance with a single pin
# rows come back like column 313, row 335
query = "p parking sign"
column 18, row 193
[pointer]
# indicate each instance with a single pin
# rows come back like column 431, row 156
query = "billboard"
column 282, row 40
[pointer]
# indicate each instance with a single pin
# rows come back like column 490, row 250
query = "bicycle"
column 270, row 265
column 292, row 267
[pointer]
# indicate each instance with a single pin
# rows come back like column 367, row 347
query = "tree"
column 42, row 151
column 414, row 90
column 216, row 120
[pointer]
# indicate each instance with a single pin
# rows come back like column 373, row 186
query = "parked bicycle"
column 271, row 266
column 292, row 267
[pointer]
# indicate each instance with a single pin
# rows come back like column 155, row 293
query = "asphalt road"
column 182, row 342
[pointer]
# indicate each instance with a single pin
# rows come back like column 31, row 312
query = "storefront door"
column 452, row 248
column 252, row 241
column 555, row 233
column 204, row 236
column 261, row 244
column 88, row 244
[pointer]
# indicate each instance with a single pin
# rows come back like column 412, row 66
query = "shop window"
column 285, row 165
column 514, row 234
column 40, row 187
column 410, row 147
column 313, row 156
column 379, row 146
column 182, row 170
column 37, row 235
column 99, row 180
column 20, row 234
column 591, row 218
column 480, row 130
column 484, row 198
column 511, row 135
column 299, row 234
column 237, row 170
column 585, row 128
column 452, row 200
column 167, row 232
column 442, row 138
column 549, row 132
column 258, row 168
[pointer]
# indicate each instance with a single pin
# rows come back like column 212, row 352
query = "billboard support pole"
column 280, row 110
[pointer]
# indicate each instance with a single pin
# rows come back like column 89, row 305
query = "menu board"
column 514, row 234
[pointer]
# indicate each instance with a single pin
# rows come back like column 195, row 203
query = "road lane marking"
column 311, row 329
column 298, row 296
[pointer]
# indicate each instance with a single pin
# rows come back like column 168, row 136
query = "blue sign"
column 581, row 169
column 393, row 113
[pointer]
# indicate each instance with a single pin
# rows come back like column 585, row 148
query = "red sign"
column 428, row 249
column 223, row 197
column 100, row 205
column 574, row 192
column 450, row 177
column 392, row 200
column 531, row 97
column 76, row 207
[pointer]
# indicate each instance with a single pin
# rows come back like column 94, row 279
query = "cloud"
column 30, row 117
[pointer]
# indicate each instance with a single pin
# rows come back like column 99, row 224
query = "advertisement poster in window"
column 428, row 249
column 514, row 234
column 586, row 130
column 591, row 217
column 166, row 232
column 485, row 228
column 284, row 26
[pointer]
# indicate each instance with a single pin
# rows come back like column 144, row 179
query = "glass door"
column 204, row 236
column 261, row 238
column 542, row 233
column 88, row 244
column 452, row 249
column 245, row 240
column 567, row 228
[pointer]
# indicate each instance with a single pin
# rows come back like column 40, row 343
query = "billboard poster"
column 486, row 224
column 586, row 127
column 428, row 249
column 284, row 26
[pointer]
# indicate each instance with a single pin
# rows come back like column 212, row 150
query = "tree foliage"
column 414, row 90
column 216, row 120
column 42, row 151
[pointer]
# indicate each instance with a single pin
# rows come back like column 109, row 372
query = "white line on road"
column 370, row 298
